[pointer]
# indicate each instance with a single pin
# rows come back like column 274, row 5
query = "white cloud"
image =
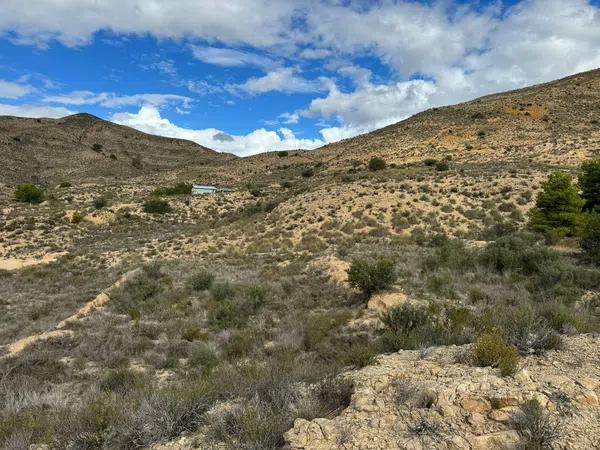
column 149, row 120
column 315, row 53
column 73, row 22
column 284, row 79
column 112, row 100
column 227, row 57
column 9, row 89
column 34, row 111
column 372, row 106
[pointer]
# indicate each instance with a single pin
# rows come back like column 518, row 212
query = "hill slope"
column 82, row 146
column 553, row 121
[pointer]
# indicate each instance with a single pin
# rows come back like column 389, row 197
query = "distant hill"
column 83, row 146
column 558, row 122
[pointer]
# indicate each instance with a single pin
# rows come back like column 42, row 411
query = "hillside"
column 136, row 319
column 83, row 147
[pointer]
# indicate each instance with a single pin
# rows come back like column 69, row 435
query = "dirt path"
column 100, row 300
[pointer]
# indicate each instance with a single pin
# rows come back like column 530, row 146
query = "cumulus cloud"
column 284, row 79
column 9, row 89
column 255, row 22
column 227, row 57
column 149, row 120
column 112, row 100
column 34, row 111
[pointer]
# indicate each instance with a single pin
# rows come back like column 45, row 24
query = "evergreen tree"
column 558, row 207
column 589, row 182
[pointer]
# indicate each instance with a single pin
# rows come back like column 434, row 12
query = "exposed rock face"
column 413, row 401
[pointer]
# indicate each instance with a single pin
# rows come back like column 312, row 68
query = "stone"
column 384, row 301
column 476, row 405
column 588, row 398
column 500, row 440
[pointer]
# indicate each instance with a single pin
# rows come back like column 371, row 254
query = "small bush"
column 491, row 350
column 202, row 280
column 65, row 184
column 282, row 154
column 376, row 163
column 76, row 217
column 221, row 291
column 442, row 166
column 156, row 206
column 205, row 357
column 121, row 381
column 178, row 189
column 307, row 173
column 97, row 147
column 371, row 276
column 29, row 193
column 537, row 430
column 430, row 162
column 100, row 202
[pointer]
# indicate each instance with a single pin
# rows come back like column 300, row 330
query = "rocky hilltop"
column 430, row 400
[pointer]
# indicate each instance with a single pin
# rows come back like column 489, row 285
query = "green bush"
column 442, row 166
column 202, row 280
column 205, row 357
column 282, row 153
column 221, row 291
column 589, row 182
column 371, row 276
column 156, row 206
column 307, row 173
column 122, row 381
column 430, row 162
column 517, row 254
column 376, row 163
column 76, row 217
column 29, row 193
column 100, row 202
column 590, row 240
column 558, row 207
column 178, row 189
column 491, row 350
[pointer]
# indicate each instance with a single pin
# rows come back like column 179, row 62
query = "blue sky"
column 248, row 76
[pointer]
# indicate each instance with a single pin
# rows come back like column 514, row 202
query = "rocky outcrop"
column 431, row 400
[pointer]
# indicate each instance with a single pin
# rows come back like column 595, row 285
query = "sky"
column 248, row 76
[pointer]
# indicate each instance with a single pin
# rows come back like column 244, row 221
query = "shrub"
column 537, row 430
column 156, row 206
column 371, row 276
column 376, row 163
column 76, row 217
column 121, row 381
column 558, row 207
column 97, row 147
column 65, row 184
column 514, row 253
column 307, row 173
column 100, row 202
column 29, row 193
column 282, row 153
column 491, row 350
column 202, row 280
column 178, row 189
column 590, row 240
column 205, row 357
column 430, row 162
column 221, row 291
column 589, row 182
column 442, row 166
